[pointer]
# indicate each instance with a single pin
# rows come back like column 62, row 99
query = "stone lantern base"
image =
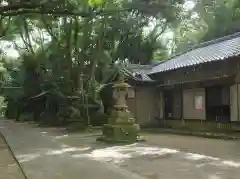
column 120, row 134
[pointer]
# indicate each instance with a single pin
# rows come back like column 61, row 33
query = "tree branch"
column 58, row 12
column 48, row 29
column 26, row 43
column 4, row 30
column 18, row 6
column 25, row 25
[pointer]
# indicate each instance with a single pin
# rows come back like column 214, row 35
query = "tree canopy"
column 208, row 20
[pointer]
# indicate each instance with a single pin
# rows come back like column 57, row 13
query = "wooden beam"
column 202, row 82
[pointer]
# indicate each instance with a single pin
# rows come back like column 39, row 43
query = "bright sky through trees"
column 9, row 47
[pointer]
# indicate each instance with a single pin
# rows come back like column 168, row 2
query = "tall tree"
column 222, row 18
column 67, row 44
column 207, row 20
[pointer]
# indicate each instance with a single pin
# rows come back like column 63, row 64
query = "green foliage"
column 208, row 20
column 226, row 19
column 68, row 48
column 95, row 2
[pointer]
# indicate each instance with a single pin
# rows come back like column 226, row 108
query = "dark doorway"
column 218, row 103
column 168, row 99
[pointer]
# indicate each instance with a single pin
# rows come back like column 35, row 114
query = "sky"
column 9, row 50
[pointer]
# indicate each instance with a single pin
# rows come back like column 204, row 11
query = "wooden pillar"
column 161, row 105
column 235, row 102
column 235, row 99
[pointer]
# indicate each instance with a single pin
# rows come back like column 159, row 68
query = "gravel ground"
column 52, row 153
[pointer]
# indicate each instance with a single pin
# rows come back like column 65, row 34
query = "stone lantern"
column 121, row 126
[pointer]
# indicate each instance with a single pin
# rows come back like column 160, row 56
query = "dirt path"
column 9, row 168
column 44, row 157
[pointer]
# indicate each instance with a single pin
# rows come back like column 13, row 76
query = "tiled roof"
column 215, row 50
column 156, row 63
column 138, row 72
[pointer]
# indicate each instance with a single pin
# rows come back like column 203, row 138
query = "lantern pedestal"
column 121, row 127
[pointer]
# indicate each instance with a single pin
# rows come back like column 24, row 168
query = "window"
column 198, row 102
